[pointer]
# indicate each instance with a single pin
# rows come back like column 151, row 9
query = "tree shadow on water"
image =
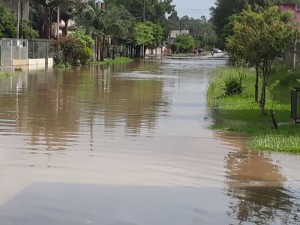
column 256, row 187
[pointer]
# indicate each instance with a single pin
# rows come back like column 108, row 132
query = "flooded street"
column 129, row 145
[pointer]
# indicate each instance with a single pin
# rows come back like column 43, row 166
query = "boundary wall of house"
column 21, row 52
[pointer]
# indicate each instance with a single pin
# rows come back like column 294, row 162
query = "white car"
column 216, row 50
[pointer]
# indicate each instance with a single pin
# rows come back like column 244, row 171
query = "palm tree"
column 44, row 12
column 68, row 10
column 112, row 23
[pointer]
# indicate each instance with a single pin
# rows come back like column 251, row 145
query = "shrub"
column 71, row 50
column 83, row 55
column 233, row 85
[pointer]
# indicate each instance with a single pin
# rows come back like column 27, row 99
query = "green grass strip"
column 110, row 61
column 240, row 113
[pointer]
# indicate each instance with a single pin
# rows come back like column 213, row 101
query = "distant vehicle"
column 215, row 50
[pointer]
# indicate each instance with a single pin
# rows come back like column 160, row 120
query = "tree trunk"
column 102, row 49
column 114, row 51
column 66, row 27
column 47, row 24
column 262, row 100
column 138, row 50
column 96, row 47
column 256, row 82
column 265, row 76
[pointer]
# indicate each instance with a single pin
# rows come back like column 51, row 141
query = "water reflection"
column 56, row 104
column 257, row 187
column 76, row 141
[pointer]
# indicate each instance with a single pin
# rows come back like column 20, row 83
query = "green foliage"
column 281, row 81
column 238, row 113
column 224, row 9
column 144, row 34
column 8, row 24
column 201, row 29
column 259, row 38
column 231, row 81
column 113, row 26
column 233, row 85
column 148, row 34
column 28, row 32
column 43, row 14
column 86, row 40
column 116, row 60
column 6, row 73
column 71, row 50
column 154, row 10
column 157, row 35
column 184, row 43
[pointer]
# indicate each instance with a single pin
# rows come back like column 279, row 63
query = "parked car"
column 216, row 50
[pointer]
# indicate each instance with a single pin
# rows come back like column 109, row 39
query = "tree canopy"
column 224, row 9
column 183, row 44
column 8, row 26
column 261, row 37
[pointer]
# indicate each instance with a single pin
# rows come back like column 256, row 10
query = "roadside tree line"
column 255, row 34
column 117, row 27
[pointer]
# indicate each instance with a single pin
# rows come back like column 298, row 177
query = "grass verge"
column 239, row 113
column 116, row 60
column 6, row 73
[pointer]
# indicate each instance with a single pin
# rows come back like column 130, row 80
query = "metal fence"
column 22, row 49
column 39, row 49
column 12, row 49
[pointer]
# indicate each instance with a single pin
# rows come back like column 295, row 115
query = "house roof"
column 291, row 7
column 175, row 33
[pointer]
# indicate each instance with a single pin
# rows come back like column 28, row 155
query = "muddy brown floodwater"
column 129, row 145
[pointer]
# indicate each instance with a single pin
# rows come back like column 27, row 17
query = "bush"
column 233, row 85
column 71, row 50
column 231, row 81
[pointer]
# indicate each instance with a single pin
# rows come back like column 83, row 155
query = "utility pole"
column 18, row 19
column 144, row 11
column 21, row 18
column 58, row 21
column 162, row 40
column 144, row 20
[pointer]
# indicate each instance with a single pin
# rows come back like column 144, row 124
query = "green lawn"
column 240, row 113
column 116, row 60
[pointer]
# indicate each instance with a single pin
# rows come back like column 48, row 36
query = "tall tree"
column 68, row 10
column 261, row 37
column 223, row 9
column 147, row 10
column 149, row 34
column 8, row 26
column 44, row 12
column 113, row 22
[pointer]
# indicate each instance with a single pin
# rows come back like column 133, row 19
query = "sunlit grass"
column 116, row 60
column 278, row 142
column 6, row 73
column 240, row 113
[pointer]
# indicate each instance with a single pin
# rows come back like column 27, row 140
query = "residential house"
column 175, row 33
column 292, row 58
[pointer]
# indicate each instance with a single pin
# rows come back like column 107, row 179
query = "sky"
column 193, row 8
